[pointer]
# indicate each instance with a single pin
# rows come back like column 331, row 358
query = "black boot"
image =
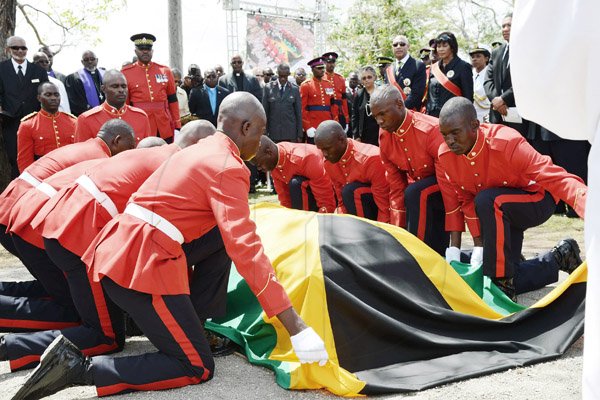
column 219, row 346
column 62, row 365
column 567, row 255
column 507, row 285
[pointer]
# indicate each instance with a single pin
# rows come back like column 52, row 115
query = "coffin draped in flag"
column 395, row 317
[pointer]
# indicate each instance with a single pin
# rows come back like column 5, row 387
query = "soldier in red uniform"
column 298, row 175
column 69, row 222
column 200, row 198
column 317, row 96
column 152, row 88
column 50, row 305
column 409, row 142
column 339, row 85
column 503, row 187
column 356, row 171
column 46, row 130
column 114, row 88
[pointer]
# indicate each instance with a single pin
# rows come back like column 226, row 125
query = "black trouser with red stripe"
column 358, row 200
column 174, row 324
column 425, row 213
column 504, row 215
column 26, row 305
column 301, row 195
column 102, row 328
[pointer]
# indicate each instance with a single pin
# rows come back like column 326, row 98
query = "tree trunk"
column 175, row 35
column 8, row 14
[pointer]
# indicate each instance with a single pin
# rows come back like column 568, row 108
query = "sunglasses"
column 237, row 62
column 364, row 78
column 18, row 48
column 320, row 67
column 401, row 44
column 144, row 48
column 271, row 74
column 89, row 59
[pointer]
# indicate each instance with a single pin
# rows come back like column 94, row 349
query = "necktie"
column 20, row 74
column 281, row 91
column 400, row 64
column 505, row 58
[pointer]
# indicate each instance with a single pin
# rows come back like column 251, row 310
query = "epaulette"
column 128, row 66
column 305, row 82
column 28, row 116
column 69, row 114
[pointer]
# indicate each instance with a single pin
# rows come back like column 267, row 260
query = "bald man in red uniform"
column 339, row 85
column 317, row 95
column 152, row 88
column 419, row 191
column 503, row 187
column 46, row 130
column 298, row 175
column 69, row 222
column 357, row 173
column 139, row 260
column 48, row 305
column 114, row 88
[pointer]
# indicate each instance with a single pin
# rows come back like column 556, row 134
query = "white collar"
column 16, row 66
column 403, row 60
column 279, row 84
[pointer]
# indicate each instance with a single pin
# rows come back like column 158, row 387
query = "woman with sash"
column 450, row 76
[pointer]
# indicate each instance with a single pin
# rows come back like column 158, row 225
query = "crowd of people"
column 429, row 145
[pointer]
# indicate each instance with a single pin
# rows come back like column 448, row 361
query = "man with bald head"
column 193, row 210
column 84, row 87
column 356, row 171
column 407, row 74
column 68, row 223
column 298, row 175
column 504, row 187
column 19, row 82
column 409, row 144
column 206, row 99
column 114, row 88
column 40, row 58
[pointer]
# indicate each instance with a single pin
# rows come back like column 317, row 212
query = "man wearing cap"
column 339, row 85
column 382, row 64
column 84, row 86
column 317, row 96
column 114, row 88
column 407, row 74
column 152, row 88
column 480, row 57
column 46, row 130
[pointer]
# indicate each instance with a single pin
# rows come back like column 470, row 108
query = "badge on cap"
column 406, row 82
column 450, row 74
column 407, row 90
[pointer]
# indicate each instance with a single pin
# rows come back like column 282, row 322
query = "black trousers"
column 102, row 328
column 10, row 126
column 425, row 213
column 504, row 215
column 173, row 323
column 24, row 306
column 301, row 195
column 358, row 200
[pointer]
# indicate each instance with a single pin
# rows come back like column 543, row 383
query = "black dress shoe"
column 62, row 365
column 507, row 285
column 567, row 255
column 219, row 346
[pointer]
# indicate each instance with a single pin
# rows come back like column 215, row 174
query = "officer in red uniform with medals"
column 197, row 200
column 46, row 130
column 339, row 85
column 152, row 88
column 298, row 174
column 504, row 187
column 318, row 95
column 114, row 88
column 356, row 171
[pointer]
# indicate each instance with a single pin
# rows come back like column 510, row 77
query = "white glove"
column 175, row 133
column 346, row 128
column 477, row 257
column 310, row 132
column 452, row 254
column 309, row 347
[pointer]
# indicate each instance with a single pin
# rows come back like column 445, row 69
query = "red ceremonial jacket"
column 361, row 162
column 317, row 96
column 501, row 157
column 339, row 84
column 48, row 165
column 198, row 188
column 307, row 161
column 74, row 217
column 411, row 154
column 152, row 88
column 90, row 122
column 42, row 132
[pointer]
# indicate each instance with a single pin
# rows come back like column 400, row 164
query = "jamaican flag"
column 394, row 316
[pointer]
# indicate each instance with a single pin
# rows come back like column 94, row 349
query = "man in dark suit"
column 51, row 72
column 19, row 81
column 205, row 100
column 408, row 73
column 498, row 84
column 238, row 81
column 84, row 86
column 283, row 106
